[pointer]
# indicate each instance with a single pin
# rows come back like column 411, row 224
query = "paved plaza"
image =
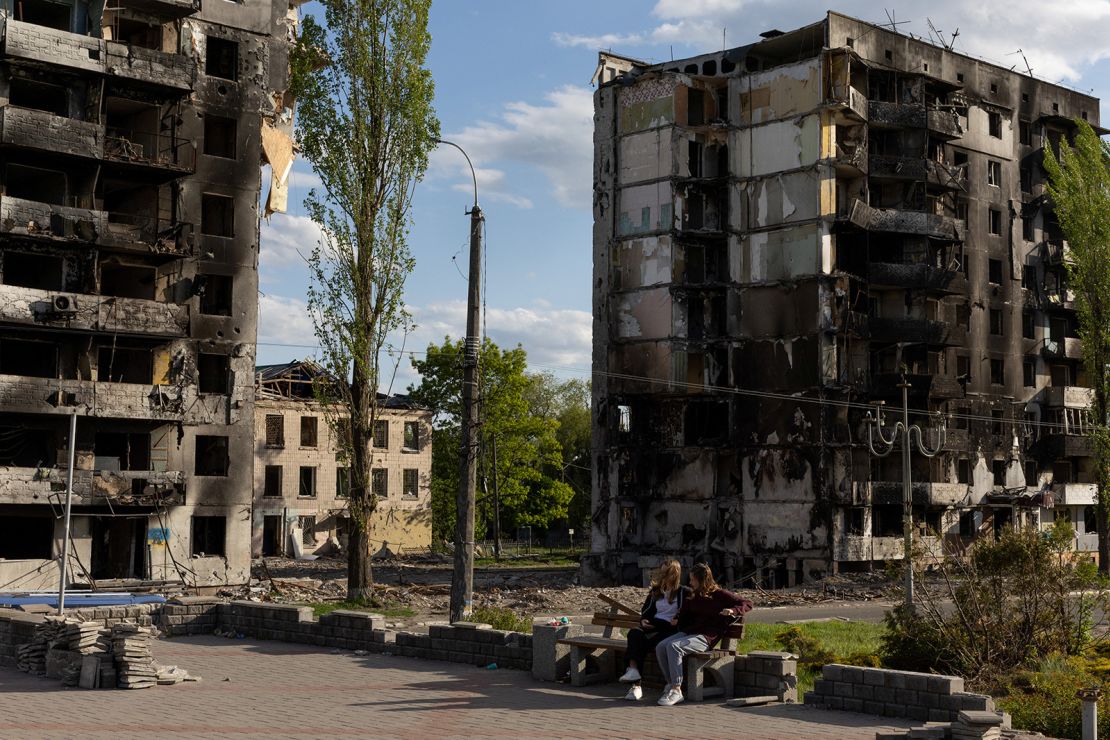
column 254, row 688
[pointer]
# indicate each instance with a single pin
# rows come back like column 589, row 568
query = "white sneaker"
column 635, row 693
column 671, row 697
column 630, row 676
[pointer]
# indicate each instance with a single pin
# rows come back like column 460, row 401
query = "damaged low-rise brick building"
column 301, row 479
column 131, row 141
column 782, row 230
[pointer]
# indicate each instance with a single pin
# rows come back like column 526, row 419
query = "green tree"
column 366, row 123
column 529, row 456
column 1079, row 189
column 568, row 402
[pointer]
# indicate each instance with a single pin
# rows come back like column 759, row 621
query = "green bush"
column 502, row 618
column 1045, row 700
column 811, row 653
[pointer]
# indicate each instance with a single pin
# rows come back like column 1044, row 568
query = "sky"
column 512, row 88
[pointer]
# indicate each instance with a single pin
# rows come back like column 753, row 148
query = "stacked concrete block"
column 550, row 660
column 480, row 646
column 16, row 628
column 920, row 696
column 142, row 615
column 189, row 615
column 767, row 673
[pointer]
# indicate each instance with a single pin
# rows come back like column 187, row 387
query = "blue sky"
column 512, row 87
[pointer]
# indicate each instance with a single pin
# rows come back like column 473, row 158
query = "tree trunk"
column 359, row 577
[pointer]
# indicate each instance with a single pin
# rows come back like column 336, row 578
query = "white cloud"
column 555, row 137
column 286, row 240
column 284, row 320
column 602, row 41
column 1059, row 39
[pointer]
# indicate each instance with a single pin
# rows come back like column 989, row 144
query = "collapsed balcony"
column 46, row 485
column 932, row 172
column 142, row 137
column 893, row 220
column 1063, row 348
column 943, row 123
column 1069, row 396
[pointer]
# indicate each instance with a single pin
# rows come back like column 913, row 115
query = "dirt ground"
column 536, row 591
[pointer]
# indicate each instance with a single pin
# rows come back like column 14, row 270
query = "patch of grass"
column 385, row 608
column 501, row 618
column 855, row 642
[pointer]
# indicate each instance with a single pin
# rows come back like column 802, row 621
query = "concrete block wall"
column 475, row 645
column 924, row 697
column 767, row 673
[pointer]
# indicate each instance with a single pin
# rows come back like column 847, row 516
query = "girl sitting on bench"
column 706, row 614
column 658, row 620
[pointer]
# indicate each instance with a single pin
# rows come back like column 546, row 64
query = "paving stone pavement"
column 255, row 688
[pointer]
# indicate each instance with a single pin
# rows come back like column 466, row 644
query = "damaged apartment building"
column 782, row 231
column 301, row 479
column 131, row 141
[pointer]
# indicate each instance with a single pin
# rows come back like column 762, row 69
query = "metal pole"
column 69, row 507
column 907, row 494
column 1089, row 698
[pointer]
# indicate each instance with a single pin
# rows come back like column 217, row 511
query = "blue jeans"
column 671, row 651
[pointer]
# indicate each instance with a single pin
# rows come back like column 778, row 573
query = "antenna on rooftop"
column 940, row 35
column 891, row 17
column 1028, row 69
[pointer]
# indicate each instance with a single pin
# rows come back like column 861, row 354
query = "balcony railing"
column 939, row 174
column 918, row 276
column 900, row 221
column 1068, row 348
column 37, row 129
column 150, row 66
column 41, row 308
column 897, row 115
column 1075, row 494
column 161, row 151
column 1069, row 396
column 923, row 331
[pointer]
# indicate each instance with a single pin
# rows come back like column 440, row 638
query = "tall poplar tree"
column 366, row 123
column 1079, row 188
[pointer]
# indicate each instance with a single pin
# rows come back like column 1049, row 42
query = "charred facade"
column 782, row 232
column 131, row 140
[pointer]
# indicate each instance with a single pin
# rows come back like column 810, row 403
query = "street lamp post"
column 909, row 435
column 462, row 578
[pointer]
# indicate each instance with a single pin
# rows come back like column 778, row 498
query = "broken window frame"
column 306, row 481
column 275, row 431
column 208, row 536
column 272, row 481
column 381, row 434
column 310, row 431
column 379, row 482
column 412, row 439
column 221, row 58
column 206, row 450
column 410, row 483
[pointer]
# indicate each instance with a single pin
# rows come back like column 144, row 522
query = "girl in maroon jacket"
column 705, row 615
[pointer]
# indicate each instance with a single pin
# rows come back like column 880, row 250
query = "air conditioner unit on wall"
column 63, row 304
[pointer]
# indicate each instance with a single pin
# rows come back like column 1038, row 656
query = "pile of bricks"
column 920, row 696
column 469, row 642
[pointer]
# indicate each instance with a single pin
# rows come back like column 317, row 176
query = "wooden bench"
column 601, row 653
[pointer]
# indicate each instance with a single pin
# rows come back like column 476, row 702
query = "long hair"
column 665, row 580
column 707, row 584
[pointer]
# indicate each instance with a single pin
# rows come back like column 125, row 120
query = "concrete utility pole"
column 462, row 579
column 909, row 434
column 69, row 508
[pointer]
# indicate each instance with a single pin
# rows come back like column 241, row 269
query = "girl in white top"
column 658, row 620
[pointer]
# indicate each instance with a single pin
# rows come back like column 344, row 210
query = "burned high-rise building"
column 783, row 231
column 131, row 139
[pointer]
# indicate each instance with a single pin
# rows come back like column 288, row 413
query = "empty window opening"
column 275, row 430
column 1029, row 373
column 271, row 535
column 998, row 372
column 1031, row 474
column 968, row 528
column 1026, row 180
column 994, row 88
column 271, row 487
column 998, row 471
column 342, row 482
column 217, row 215
column 26, row 93
column 27, row 270
column 121, row 451
column 307, row 525
column 994, row 124
column 888, row 54
column 963, row 471
column 994, row 173
column 32, row 359
column 219, row 136
column 133, row 31
column 35, row 183
column 994, row 271
column 45, row 13
column 996, row 321
column 209, row 536
column 215, row 294
column 1025, row 133
column 706, row 422
column 886, row 520
column 994, row 219
column 854, row 521
column 306, row 487
column 134, row 131
column 624, row 419
column 997, row 422
column 412, row 435
column 1027, row 228
column 379, row 483
column 26, row 537
column 213, row 373
column 1090, row 520
column 308, row 431
column 1025, row 97
column 381, row 434
column 127, row 281
column 211, row 455
column 959, row 77
column 411, row 483
column 221, row 58
column 123, row 364
column 695, row 111
column 1028, row 325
